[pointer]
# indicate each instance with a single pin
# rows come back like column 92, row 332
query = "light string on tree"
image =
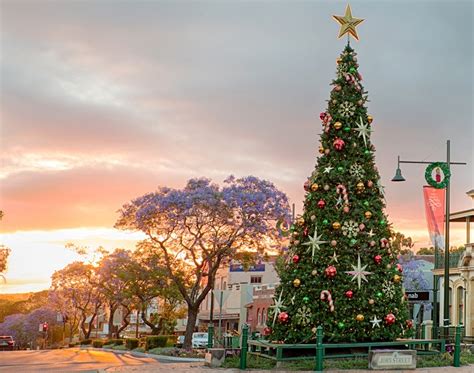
column 325, row 294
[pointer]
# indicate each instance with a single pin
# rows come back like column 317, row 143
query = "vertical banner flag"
column 434, row 210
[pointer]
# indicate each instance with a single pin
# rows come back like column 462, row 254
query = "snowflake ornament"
column 357, row 171
column 350, row 228
column 303, row 315
column 346, row 109
column 388, row 289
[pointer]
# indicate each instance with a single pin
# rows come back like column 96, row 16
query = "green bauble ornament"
column 366, row 203
column 379, row 294
column 347, row 129
column 340, row 168
column 353, row 241
column 352, row 70
column 383, row 223
column 306, row 299
column 341, row 325
column 366, row 152
column 325, row 221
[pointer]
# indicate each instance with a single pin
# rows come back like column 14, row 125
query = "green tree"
column 401, row 244
column 426, row 251
column 341, row 270
column 4, row 253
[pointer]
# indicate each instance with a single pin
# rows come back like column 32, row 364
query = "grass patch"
column 139, row 349
column 253, row 362
column 177, row 352
column 118, row 348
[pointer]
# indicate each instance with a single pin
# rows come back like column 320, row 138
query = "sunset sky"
column 103, row 101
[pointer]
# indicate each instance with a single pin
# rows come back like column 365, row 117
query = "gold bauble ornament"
column 360, row 317
column 296, row 282
column 336, row 225
column 371, row 301
column 397, row 279
column 360, row 187
column 339, row 60
column 314, row 272
column 321, row 149
column 338, row 125
column 367, row 214
column 300, row 221
column 314, row 187
column 369, row 118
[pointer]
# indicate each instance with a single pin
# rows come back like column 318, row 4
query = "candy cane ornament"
column 325, row 294
column 341, row 189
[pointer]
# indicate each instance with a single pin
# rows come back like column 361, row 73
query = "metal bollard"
column 319, row 349
column 244, row 347
column 210, row 335
column 457, row 347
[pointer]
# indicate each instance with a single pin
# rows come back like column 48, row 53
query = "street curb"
column 144, row 354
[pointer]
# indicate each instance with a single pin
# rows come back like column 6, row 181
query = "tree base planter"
column 392, row 359
column 215, row 357
column 288, row 352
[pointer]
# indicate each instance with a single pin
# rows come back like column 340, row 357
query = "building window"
column 264, row 316
column 259, row 317
column 255, row 279
column 460, row 304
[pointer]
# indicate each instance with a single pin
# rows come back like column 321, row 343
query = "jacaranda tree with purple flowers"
column 199, row 226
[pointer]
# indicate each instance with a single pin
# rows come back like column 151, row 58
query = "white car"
column 200, row 340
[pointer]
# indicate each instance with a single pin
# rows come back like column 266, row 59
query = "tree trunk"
column 154, row 329
column 112, row 309
column 89, row 327
column 191, row 324
column 125, row 320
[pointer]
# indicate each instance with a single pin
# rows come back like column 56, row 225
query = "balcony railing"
column 453, row 260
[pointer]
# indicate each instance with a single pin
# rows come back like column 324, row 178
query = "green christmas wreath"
column 429, row 175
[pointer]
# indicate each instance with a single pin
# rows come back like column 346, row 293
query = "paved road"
column 75, row 360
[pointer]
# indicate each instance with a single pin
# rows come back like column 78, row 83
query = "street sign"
column 418, row 296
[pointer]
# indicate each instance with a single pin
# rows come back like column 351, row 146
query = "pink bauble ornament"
column 267, row 331
column 338, row 144
column 349, row 294
column 333, row 243
column 390, row 319
column 378, row 259
column 361, row 226
column 409, row 324
column 321, row 204
column 322, row 115
column 372, row 243
column 399, row 268
column 370, row 183
column 330, row 271
column 283, row 317
column 305, row 231
column 346, row 209
column 337, row 88
column 326, row 151
column 306, row 185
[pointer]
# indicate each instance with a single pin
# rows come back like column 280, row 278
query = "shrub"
column 97, row 343
column 155, row 341
column 71, row 344
column 85, row 342
column 131, row 343
column 115, row 342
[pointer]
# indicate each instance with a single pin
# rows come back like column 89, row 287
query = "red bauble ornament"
column 267, row 331
column 338, row 144
column 306, row 185
column 322, row 115
column 378, row 259
column 330, row 271
column 296, row 258
column 390, row 319
column 321, row 204
column 349, row 294
column 283, row 317
column 399, row 268
column 409, row 324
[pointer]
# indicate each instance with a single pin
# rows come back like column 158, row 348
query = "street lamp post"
column 398, row 177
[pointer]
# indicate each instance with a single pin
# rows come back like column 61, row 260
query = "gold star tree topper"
column 348, row 23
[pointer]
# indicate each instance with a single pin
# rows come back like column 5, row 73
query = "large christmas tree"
column 340, row 271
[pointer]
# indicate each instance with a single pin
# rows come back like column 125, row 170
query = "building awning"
column 462, row 216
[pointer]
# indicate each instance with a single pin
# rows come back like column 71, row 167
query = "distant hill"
column 21, row 303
